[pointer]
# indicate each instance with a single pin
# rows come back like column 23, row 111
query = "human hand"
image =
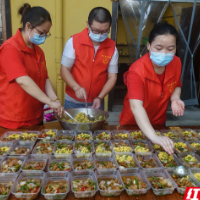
column 165, row 142
column 96, row 103
column 81, row 93
column 57, row 107
column 178, row 107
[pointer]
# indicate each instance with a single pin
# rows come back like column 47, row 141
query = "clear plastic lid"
column 48, row 134
column 29, row 139
column 173, row 135
column 181, row 148
column 83, row 149
column 194, row 145
column 82, row 135
column 103, row 137
column 189, row 135
column 120, row 135
column 137, row 135
column 65, row 135
column 195, row 175
column 101, row 150
column 10, row 134
column 142, row 147
column 121, row 146
column 4, row 146
column 44, row 147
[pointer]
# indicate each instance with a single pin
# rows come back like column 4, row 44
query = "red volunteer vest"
column 156, row 96
column 16, row 104
column 89, row 72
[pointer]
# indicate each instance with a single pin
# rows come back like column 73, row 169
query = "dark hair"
column 34, row 15
column 162, row 28
column 99, row 14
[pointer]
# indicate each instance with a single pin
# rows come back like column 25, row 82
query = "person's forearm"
column 143, row 121
column 107, row 87
column 176, row 94
column 68, row 78
column 32, row 88
column 49, row 90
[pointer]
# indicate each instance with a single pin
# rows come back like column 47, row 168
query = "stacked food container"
column 54, row 162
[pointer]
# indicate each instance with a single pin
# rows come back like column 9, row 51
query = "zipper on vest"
column 92, row 75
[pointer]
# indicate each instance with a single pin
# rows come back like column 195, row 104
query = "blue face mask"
column 161, row 59
column 98, row 37
column 37, row 39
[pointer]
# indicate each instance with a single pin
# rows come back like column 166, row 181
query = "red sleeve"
column 179, row 83
column 12, row 63
column 135, row 86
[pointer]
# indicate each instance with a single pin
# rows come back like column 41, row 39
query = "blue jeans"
column 69, row 104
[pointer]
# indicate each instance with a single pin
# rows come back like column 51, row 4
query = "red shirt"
column 18, row 108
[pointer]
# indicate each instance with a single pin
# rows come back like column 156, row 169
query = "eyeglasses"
column 42, row 35
column 99, row 32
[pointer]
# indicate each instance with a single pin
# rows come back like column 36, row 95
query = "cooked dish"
column 189, row 135
column 55, row 187
column 29, row 186
column 48, row 135
column 176, row 128
column 64, row 148
column 133, row 183
column 125, row 161
column 146, row 163
column 34, row 165
column 11, row 165
column 20, row 151
column 137, row 135
column 44, row 148
column 84, row 185
column 167, row 160
column 158, row 148
column 121, row 136
column 5, row 188
column 105, row 165
column 172, row 135
column 82, row 118
column 196, row 146
column 191, row 161
column 102, row 136
column 64, row 137
column 83, row 165
column 109, row 184
column 60, row 166
column 102, row 147
column 83, row 147
column 28, row 136
column 83, row 136
column 140, row 147
column 197, row 176
column 160, row 182
column 121, row 147
column 183, row 182
column 14, row 136
column 181, row 147
column 4, row 150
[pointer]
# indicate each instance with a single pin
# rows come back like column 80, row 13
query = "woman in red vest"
column 23, row 73
column 152, row 81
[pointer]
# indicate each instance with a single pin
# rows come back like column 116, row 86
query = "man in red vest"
column 89, row 64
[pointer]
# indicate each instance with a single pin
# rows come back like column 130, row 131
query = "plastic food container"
column 28, row 146
column 137, row 136
column 48, row 137
column 194, row 148
column 83, row 194
column 24, row 177
column 36, row 151
column 157, row 148
column 84, row 152
column 37, row 158
column 145, row 159
column 175, row 136
column 183, row 155
column 180, row 190
column 114, row 142
column 64, row 149
column 98, row 132
column 115, row 133
column 49, row 179
column 103, row 154
column 61, row 159
column 108, row 177
column 32, row 139
column 6, row 178
column 104, row 160
column 82, row 160
column 145, row 143
column 6, row 144
column 180, row 149
column 160, row 172
column 122, row 169
column 65, row 133
column 8, row 133
column 21, row 158
column 196, row 137
column 191, row 174
column 136, row 192
column 83, row 132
